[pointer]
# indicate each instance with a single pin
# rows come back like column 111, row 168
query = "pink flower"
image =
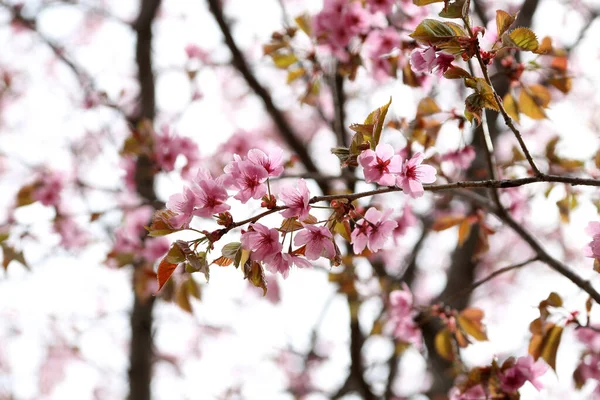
column 72, row 236
column 282, row 262
column 296, row 198
column 356, row 19
column 318, row 241
column 525, row 369
column 402, row 315
column 473, row 393
column 210, row 194
column 262, row 241
column 589, row 368
column 168, row 146
column 593, row 248
column 414, row 174
column 380, row 165
column 429, row 59
column 590, row 338
column 183, row 204
column 49, row 190
column 405, row 221
column 385, row 6
column 372, row 231
column 249, row 180
column 271, row 162
column 194, row 51
column 462, row 158
column 128, row 165
column 155, row 248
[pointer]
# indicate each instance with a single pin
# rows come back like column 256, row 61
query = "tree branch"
column 239, row 62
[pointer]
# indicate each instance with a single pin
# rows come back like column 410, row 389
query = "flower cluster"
column 592, row 250
column 588, row 369
column 504, row 381
column 339, row 22
column 168, row 146
column 402, row 317
column 386, row 168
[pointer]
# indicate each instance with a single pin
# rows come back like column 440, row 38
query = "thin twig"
column 489, row 278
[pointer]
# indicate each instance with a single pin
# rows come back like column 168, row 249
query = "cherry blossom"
column 50, row 188
column 405, row 221
column 473, row 393
column 525, row 369
column 210, row 194
column 249, row 180
column 72, row 236
column 272, row 161
column 282, row 262
column 297, row 199
column 372, row 231
column 385, row 6
column 461, row 158
column 318, row 241
column 401, row 316
column 430, row 59
column 183, row 204
column 414, row 174
column 263, row 241
column 593, row 248
column 381, row 165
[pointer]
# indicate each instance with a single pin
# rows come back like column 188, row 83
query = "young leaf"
column 456, row 73
column 443, row 344
column 511, row 106
column 427, row 106
column 164, row 272
column 283, row 60
column 303, row 22
column 223, row 261
column 10, row 254
column 503, row 21
column 470, row 321
column 447, row 221
column 531, row 104
column 377, row 118
column 294, row 74
column 522, row 38
column 230, row 250
column 433, row 32
column 464, row 229
column 256, row 275
column 550, row 345
column 456, row 9
column 160, row 223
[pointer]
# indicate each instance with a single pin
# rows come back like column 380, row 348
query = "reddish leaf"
column 164, row 272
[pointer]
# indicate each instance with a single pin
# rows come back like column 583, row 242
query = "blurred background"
column 79, row 81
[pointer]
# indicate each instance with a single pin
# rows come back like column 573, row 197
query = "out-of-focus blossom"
column 72, row 236
column 49, row 190
column 402, row 316
column 282, row 262
column 405, row 221
column 473, row 393
column 593, row 248
column 461, row 158
column 525, row 369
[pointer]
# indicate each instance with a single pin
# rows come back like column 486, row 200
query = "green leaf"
column 522, row 38
column 503, row 21
column 456, row 9
column 284, row 60
column 230, row 250
column 431, row 31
